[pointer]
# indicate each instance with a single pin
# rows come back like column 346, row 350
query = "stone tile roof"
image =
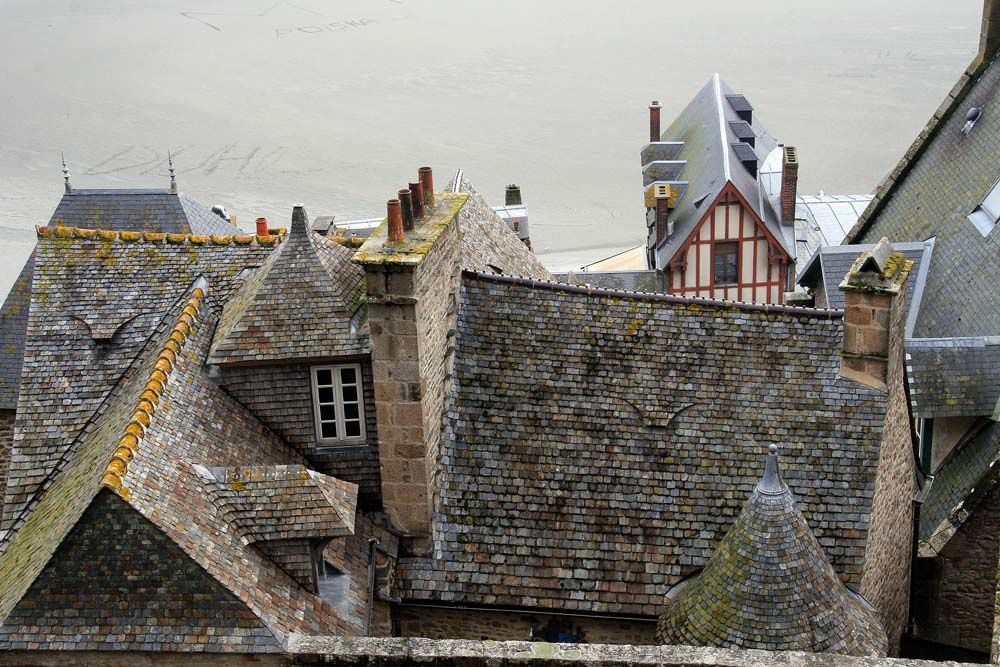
column 192, row 422
column 959, row 484
column 769, row 586
column 944, row 175
column 707, row 160
column 147, row 210
column 284, row 502
column 305, row 302
column 120, row 210
column 598, row 444
column 98, row 296
column 954, row 377
column 830, row 265
column 13, row 324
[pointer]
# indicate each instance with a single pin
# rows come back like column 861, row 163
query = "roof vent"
column 970, row 119
column 742, row 107
column 746, row 155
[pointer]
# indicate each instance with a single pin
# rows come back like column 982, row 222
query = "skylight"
column 986, row 215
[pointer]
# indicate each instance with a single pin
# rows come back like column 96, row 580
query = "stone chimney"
column 874, row 313
column 654, row 121
column 513, row 196
column 662, row 213
column 989, row 34
column 411, row 292
column 789, row 184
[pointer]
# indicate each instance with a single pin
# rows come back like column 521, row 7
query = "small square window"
column 338, row 404
column 724, row 264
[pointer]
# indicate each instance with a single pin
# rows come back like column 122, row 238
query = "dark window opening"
column 724, row 263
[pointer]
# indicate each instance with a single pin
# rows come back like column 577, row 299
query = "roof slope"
column 121, row 210
column 146, row 442
column 97, row 298
column 930, row 193
column 769, row 586
column 824, row 220
column 146, row 210
column 13, row 324
column 616, row 433
column 706, row 128
column 298, row 305
column 954, row 377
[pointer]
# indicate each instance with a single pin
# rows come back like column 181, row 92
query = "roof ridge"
column 128, row 443
column 717, row 96
column 655, row 296
column 64, row 232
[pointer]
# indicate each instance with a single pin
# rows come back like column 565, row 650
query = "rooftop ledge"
column 419, row 240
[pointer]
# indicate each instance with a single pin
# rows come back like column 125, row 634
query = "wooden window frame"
column 338, row 403
column 735, row 245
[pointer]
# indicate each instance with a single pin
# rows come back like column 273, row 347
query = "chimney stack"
column 427, row 183
column 513, row 196
column 394, row 211
column 662, row 213
column 874, row 311
column 406, row 203
column 989, row 34
column 300, row 223
column 654, row 121
column 417, row 200
column 789, row 184
column 262, row 228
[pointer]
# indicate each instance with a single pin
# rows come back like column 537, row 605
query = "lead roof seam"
column 722, row 125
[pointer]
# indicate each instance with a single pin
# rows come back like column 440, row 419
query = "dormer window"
column 986, row 215
column 338, row 404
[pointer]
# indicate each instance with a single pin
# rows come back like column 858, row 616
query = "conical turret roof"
column 304, row 302
column 769, row 586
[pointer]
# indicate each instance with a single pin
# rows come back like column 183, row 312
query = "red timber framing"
column 758, row 284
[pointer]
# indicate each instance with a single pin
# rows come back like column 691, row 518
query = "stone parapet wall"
column 405, row 652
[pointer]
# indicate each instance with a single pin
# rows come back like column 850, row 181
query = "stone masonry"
column 411, row 291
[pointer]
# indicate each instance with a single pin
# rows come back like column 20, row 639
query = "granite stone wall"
column 443, row 623
column 6, row 442
column 954, row 592
column 281, row 396
column 885, row 580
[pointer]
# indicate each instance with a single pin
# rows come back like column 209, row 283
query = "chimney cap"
column 654, row 103
column 879, row 270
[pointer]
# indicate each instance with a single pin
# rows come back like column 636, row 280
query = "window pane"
column 352, row 428
column 326, row 394
column 724, row 263
column 328, row 412
column 350, row 411
column 350, row 394
column 347, row 375
column 323, row 376
column 329, row 429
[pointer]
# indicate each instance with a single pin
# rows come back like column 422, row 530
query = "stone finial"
column 772, row 482
column 300, row 221
column 65, row 170
column 173, row 177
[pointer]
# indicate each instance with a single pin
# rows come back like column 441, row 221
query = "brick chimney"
column 411, row 292
column 989, row 34
column 513, row 196
column 662, row 213
column 874, row 314
column 789, row 184
column 654, row 121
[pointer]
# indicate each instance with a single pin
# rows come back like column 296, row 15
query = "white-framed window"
column 986, row 215
column 338, row 404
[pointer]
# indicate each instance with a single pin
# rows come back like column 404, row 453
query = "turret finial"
column 173, row 178
column 69, row 188
column 772, row 482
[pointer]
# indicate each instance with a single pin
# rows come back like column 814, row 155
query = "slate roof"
column 938, row 182
column 144, row 428
column 13, row 323
column 700, row 149
column 769, row 586
column 282, row 502
column 97, row 298
column 129, row 210
column 831, row 263
column 954, row 377
column 598, row 444
column 305, row 302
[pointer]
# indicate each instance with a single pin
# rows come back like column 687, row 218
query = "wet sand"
column 336, row 103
